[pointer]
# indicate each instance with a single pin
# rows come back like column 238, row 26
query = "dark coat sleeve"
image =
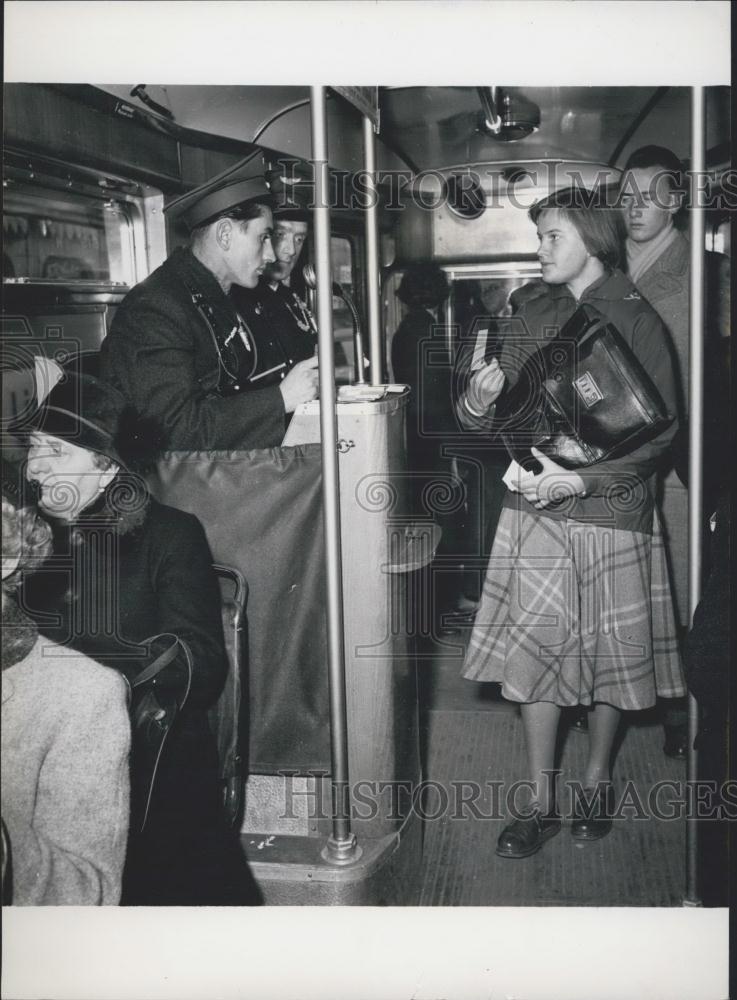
column 706, row 650
column 158, row 355
column 189, row 603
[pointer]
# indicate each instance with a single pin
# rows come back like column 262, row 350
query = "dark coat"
column 665, row 285
column 279, row 323
column 115, row 580
column 162, row 354
column 153, row 573
column 420, row 359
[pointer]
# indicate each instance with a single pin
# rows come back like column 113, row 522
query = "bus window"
column 478, row 293
column 341, row 258
column 52, row 235
column 718, row 239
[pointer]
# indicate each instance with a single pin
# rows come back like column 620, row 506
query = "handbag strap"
column 164, row 659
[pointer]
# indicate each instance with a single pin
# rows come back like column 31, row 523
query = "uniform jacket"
column 162, row 354
column 278, row 321
column 616, row 298
column 65, row 784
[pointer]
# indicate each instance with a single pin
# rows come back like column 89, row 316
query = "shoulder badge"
column 634, row 295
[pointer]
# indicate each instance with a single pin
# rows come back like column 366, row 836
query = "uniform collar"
column 199, row 274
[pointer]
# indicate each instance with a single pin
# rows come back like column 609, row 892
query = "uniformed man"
column 178, row 349
column 278, row 318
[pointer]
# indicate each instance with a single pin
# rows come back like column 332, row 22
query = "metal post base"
column 342, row 852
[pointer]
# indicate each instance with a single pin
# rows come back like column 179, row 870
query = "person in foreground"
column 65, row 747
column 576, row 608
column 132, row 580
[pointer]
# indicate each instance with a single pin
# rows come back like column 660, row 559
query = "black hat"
column 238, row 185
column 93, row 415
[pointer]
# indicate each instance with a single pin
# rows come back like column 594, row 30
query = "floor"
column 472, row 737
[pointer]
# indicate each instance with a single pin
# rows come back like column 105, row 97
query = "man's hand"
column 552, row 484
column 485, row 386
column 300, row 385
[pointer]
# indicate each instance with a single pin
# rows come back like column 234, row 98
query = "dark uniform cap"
column 292, row 196
column 238, row 185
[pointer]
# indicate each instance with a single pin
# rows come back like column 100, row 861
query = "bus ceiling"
column 435, row 127
column 198, row 130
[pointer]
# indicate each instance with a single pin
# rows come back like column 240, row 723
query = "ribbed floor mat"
column 640, row 863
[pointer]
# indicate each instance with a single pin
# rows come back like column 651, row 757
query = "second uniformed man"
column 278, row 318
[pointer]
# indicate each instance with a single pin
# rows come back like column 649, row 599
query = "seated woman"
column 577, row 608
column 65, row 747
column 128, row 576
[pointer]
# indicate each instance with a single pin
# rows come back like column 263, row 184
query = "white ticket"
column 515, row 476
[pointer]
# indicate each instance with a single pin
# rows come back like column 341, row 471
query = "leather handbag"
column 582, row 397
column 153, row 710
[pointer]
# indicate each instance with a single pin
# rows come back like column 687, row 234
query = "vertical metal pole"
column 341, row 846
column 372, row 253
column 695, row 452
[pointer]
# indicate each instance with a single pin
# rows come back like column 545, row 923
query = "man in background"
column 278, row 319
column 658, row 262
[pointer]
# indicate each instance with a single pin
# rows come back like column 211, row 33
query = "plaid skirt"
column 576, row 613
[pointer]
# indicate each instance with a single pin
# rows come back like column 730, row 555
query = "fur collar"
column 123, row 507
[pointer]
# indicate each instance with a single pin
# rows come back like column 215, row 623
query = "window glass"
column 479, row 297
column 341, row 256
column 719, row 238
column 51, row 235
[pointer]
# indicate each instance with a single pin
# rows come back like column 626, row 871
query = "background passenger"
column 658, row 262
column 65, row 747
column 576, row 607
column 128, row 574
column 177, row 349
column 421, row 360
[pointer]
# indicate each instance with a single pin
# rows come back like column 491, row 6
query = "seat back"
column 229, row 715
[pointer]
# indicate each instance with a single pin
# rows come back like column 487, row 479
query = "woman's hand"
column 484, row 386
column 554, row 483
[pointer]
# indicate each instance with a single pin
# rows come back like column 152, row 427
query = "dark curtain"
column 262, row 511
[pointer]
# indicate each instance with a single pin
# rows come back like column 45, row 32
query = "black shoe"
column 594, row 812
column 526, row 835
column 676, row 742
